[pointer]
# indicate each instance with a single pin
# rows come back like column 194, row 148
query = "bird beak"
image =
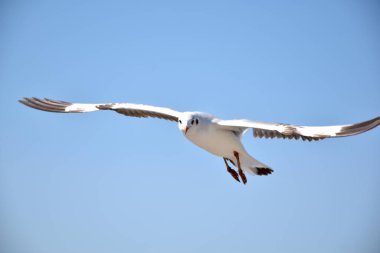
column 186, row 129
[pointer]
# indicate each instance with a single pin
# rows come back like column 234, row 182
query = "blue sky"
column 101, row 182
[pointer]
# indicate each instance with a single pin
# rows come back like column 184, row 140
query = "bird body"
column 217, row 140
column 219, row 137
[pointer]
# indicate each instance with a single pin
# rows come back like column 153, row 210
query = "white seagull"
column 217, row 136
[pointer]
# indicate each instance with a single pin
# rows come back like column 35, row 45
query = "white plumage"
column 219, row 137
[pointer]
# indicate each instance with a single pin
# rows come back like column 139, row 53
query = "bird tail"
column 254, row 167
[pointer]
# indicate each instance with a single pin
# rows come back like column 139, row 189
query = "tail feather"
column 264, row 171
column 254, row 167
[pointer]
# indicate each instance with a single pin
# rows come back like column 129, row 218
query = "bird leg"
column 233, row 172
column 241, row 173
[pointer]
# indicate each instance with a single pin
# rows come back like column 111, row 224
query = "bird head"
column 188, row 121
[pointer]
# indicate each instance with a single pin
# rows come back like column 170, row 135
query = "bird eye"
column 192, row 122
column 196, row 121
column 180, row 121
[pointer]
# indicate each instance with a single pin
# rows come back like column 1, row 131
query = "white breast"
column 215, row 140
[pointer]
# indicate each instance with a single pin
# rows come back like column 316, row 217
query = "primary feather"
column 133, row 110
column 280, row 130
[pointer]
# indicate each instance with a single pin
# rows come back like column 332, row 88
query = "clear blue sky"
column 102, row 182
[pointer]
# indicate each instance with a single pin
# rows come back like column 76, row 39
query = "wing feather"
column 133, row 110
column 310, row 133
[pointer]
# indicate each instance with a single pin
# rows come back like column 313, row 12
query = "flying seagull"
column 219, row 137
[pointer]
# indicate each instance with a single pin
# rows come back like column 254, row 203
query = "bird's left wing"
column 133, row 110
column 279, row 130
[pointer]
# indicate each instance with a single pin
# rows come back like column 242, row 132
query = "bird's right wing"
column 133, row 110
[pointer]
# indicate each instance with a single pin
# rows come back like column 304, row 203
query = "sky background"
column 102, row 182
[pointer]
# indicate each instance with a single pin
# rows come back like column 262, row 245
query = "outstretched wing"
column 279, row 130
column 133, row 110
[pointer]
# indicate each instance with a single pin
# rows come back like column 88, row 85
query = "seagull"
column 217, row 136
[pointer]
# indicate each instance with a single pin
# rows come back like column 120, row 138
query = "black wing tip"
column 45, row 104
column 359, row 128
